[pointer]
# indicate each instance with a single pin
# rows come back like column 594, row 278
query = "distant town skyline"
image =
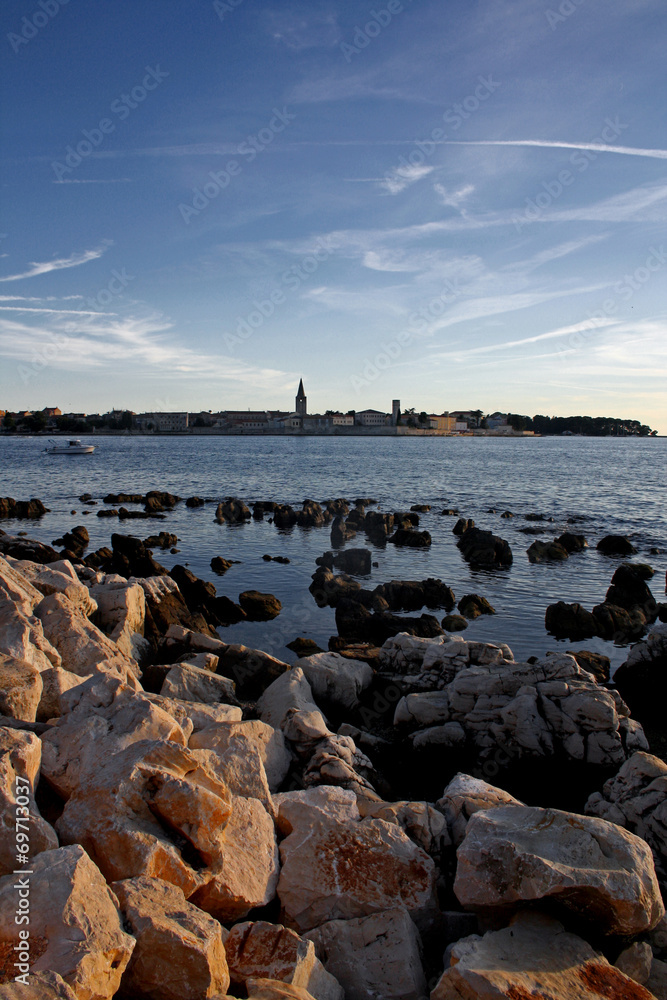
column 433, row 202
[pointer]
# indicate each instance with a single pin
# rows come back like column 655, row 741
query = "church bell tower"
column 301, row 407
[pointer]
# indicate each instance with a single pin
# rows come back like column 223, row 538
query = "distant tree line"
column 587, row 426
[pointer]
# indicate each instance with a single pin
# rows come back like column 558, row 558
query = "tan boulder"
column 271, row 989
column 83, row 647
column 56, row 682
column 196, row 714
column 151, row 809
column 22, row 636
column 535, row 957
column 189, row 683
column 20, row 757
column 75, row 927
column 16, row 588
column 419, row 820
column 270, row 951
column 289, row 693
column 374, row 956
column 270, row 743
column 514, row 855
column 336, row 679
column 297, row 810
column 106, row 716
column 56, row 578
column 179, row 953
column 39, row 986
column 332, row 871
column 245, row 872
column 240, row 767
column 20, row 688
column 464, row 796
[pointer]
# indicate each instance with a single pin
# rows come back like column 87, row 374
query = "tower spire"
column 301, row 401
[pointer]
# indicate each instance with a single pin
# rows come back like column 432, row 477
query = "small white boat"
column 73, row 447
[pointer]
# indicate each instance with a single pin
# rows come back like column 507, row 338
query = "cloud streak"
column 75, row 260
column 595, row 147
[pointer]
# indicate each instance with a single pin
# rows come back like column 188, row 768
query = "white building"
column 372, row 418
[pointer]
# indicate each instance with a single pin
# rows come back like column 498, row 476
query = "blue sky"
column 460, row 204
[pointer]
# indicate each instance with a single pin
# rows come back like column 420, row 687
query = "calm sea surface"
column 613, row 485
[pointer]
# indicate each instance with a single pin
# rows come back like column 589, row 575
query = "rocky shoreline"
column 408, row 814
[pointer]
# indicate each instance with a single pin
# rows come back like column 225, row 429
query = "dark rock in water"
column 262, row 507
column 618, row 624
column 153, row 506
column 463, row 524
column 304, row 647
column 354, row 561
column 22, row 509
column 454, row 623
column 449, row 512
column 284, row 516
column 116, row 498
column 312, row 515
column 571, row 542
column 364, row 502
column 233, row 510
column 421, row 508
column 281, row 559
column 107, row 512
column 132, row 558
column 195, row 502
column 85, row 498
column 411, row 538
column 662, row 612
column 507, row 514
column 99, row 559
column 329, row 589
column 27, row 548
column 484, row 549
column 341, row 532
column 364, row 651
column 356, row 623
column 540, row 552
column 137, row 515
column 628, row 590
column 163, row 540
column 337, row 507
column 356, row 518
column 201, row 598
column 76, row 540
column 534, row 517
column 377, row 526
column 472, row 606
column 166, row 500
column 594, row 663
column 226, row 612
column 220, row 565
column 532, row 530
column 405, row 519
column 570, row 621
column 171, row 609
column 259, row 607
column 411, row 595
column 616, row 545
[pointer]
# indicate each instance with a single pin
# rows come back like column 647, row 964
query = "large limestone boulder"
column 272, row 989
column 196, row 714
column 75, row 927
column 419, row 820
column 179, row 953
column 38, row 986
column 299, row 809
column 105, row 716
column 636, row 798
column 151, row 809
column 331, row 871
column 288, row 693
column 336, row 679
column 22, row 637
column 57, row 578
column 270, row 744
column 261, row 950
column 20, row 758
column 121, row 614
column 20, row 688
column 56, row 682
column 513, row 855
column 535, row 957
column 189, row 683
column 245, row 874
column 240, row 767
column 374, row 956
column 464, row 796
column 82, row 646
column 16, row 588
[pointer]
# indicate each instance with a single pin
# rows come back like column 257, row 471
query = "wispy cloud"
column 75, row 260
column 594, row 147
column 453, row 199
column 100, row 180
column 563, row 331
column 400, row 178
